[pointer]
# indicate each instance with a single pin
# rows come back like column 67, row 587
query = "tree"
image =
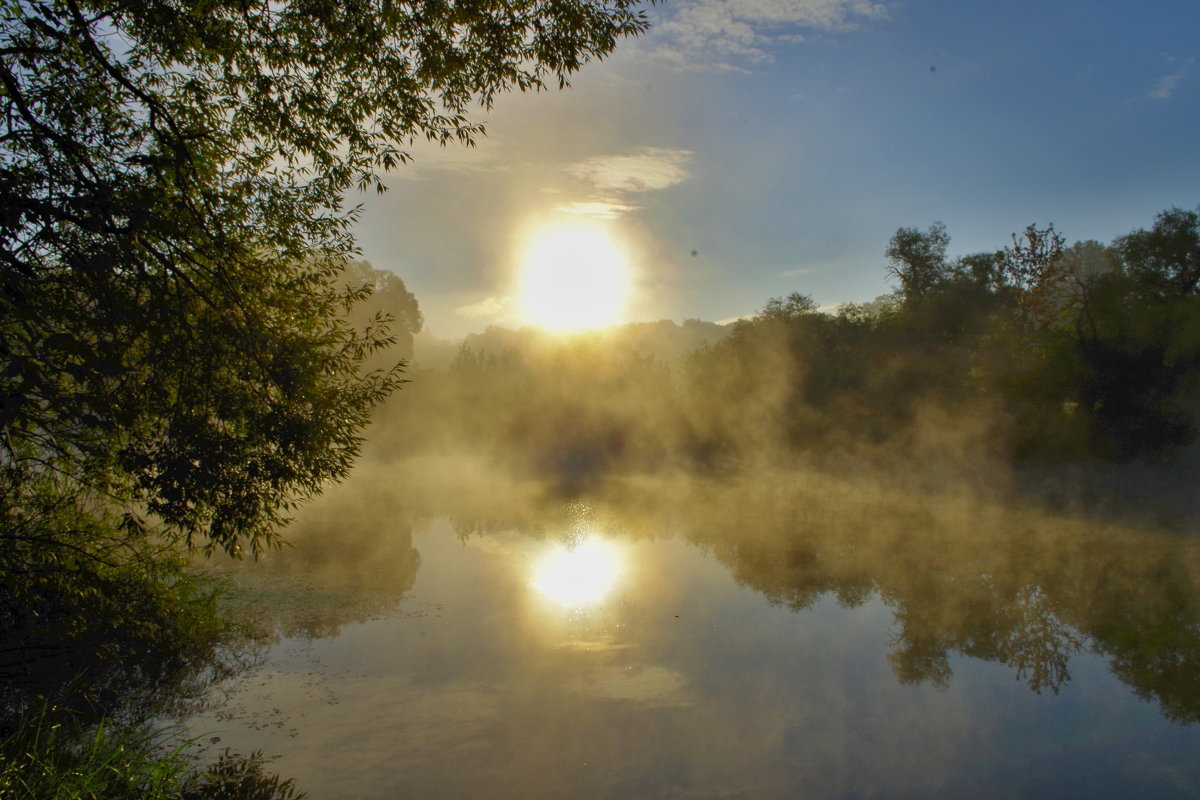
column 918, row 260
column 794, row 306
column 1166, row 258
column 173, row 235
column 1138, row 340
column 390, row 304
column 1033, row 266
column 981, row 269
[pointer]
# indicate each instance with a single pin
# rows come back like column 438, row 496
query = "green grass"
column 102, row 636
column 51, row 758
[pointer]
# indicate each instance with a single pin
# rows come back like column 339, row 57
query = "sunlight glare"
column 580, row 576
column 574, row 276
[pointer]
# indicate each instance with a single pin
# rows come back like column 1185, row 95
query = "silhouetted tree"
column 918, row 259
column 982, row 269
column 1164, row 260
column 1136, row 340
column 390, row 305
column 1033, row 266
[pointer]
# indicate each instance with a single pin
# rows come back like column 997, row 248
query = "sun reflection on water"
column 581, row 575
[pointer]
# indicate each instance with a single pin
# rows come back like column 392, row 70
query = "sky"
column 746, row 149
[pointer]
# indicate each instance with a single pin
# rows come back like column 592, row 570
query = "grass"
column 102, row 636
column 52, row 758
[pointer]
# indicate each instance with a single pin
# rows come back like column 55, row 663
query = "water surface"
column 797, row 635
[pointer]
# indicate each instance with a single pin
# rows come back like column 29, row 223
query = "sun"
column 573, row 276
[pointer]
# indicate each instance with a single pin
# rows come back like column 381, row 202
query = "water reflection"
column 963, row 575
column 795, row 635
column 349, row 558
column 968, row 576
column 579, row 574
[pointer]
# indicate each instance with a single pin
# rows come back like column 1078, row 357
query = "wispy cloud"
column 739, row 318
column 488, row 307
column 610, row 180
column 649, row 169
column 1165, row 86
column 726, row 34
column 600, row 209
column 798, row 271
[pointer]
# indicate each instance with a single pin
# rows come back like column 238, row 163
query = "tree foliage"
column 390, row 303
column 173, row 233
column 1137, row 339
column 918, row 259
column 1033, row 266
column 1042, row 352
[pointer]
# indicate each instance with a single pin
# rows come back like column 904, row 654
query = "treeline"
column 1041, row 351
column 1035, row 353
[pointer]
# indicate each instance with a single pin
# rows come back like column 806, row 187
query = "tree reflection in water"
column 965, row 575
column 971, row 577
column 349, row 558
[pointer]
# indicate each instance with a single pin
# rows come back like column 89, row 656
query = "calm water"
column 792, row 636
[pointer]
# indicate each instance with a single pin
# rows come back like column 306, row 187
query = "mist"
column 771, row 629
column 816, row 533
column 1059, row 373
column 681, row 522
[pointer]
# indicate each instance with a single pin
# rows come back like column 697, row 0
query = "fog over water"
column 943, row 544
column 772, row 634
column 773, row 452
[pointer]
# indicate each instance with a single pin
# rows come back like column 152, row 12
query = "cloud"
column 600, row 209
column 612, row 178
column 739, row 318
column 799, row 271
column 651, row 686
column 649, row 169
column 1165, row 86
column 488, row 307
column 719, row 33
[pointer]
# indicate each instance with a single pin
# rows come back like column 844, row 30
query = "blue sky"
column 784, row 141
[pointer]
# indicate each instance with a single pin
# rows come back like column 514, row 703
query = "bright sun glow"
column 580, row 576
column 574, row 276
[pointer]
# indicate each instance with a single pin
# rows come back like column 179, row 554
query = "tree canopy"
column 173, row 320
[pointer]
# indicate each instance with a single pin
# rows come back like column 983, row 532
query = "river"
column 448, row 634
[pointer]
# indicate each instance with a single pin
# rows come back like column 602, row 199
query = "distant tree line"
column 1087, row 351
column 1036, row 353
